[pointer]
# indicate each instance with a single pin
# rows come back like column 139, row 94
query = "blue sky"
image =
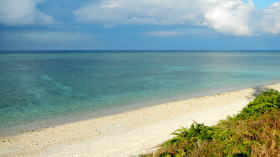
column 140, row 25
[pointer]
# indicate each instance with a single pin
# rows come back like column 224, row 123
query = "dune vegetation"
column 255, row 131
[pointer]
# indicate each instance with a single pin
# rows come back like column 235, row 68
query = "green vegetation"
column 255, row 131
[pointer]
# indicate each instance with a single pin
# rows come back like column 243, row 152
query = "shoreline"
column 129, row 133
column 42, row 124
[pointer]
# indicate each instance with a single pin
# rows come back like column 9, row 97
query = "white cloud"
column 230, row 17
column 158, row 12
column 269, row 21
column 22, row 12
column 234, row 17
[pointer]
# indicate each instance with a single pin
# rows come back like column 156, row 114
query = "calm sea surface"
column 36, row 86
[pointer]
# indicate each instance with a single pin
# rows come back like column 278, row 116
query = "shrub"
column 255, row 131
column 266, row 101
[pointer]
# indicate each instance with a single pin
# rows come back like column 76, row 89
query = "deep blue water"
column 36, row 86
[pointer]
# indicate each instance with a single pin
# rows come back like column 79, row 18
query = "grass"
column 255, row 131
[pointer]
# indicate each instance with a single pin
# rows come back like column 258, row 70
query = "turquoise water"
column 38, row 86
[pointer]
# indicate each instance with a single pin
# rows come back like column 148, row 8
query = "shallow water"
column 36, row 86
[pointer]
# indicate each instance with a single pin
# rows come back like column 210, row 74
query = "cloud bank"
column 179, row 32
column 20, row 40
column 234, row 17
column 23, row 12
column 44, row 37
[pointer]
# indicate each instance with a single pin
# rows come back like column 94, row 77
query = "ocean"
column 53, row 87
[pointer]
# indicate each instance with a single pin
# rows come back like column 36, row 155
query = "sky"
column 139, row 25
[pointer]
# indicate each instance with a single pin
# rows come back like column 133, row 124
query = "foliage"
column 267, row 101
column 255, row 131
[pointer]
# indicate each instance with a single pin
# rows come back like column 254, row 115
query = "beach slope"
column 126, row 134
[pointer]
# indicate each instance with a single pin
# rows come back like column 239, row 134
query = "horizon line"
column 141, row 50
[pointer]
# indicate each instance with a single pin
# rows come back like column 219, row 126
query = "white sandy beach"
column 126, row 134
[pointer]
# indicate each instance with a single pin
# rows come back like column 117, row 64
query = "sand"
column 126, row 134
